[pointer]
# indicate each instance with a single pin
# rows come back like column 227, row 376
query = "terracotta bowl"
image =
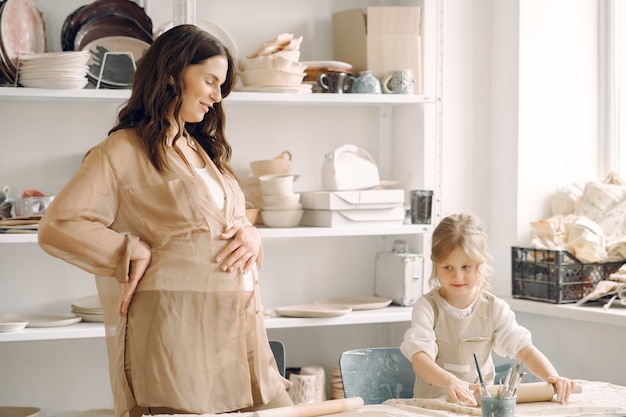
column 278, row 165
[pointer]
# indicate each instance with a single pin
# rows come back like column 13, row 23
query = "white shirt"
column 509, row 336
column 215, row 188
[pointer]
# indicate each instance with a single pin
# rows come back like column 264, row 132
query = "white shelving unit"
column 92, row 94
column 45, row 132
column 85, row 330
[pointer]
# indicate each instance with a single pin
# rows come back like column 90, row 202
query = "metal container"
column 399, row 275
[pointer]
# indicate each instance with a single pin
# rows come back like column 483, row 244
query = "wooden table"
column 597, row 398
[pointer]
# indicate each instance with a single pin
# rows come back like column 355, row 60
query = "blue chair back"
column 376, row 374
column 278, row 349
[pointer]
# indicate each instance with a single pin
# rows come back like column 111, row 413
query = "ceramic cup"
column 421, row 206
column 399, row 82
column 32, row 206
column 497, row 407
column 303, row 388
column 334, row 82
column 366, row 83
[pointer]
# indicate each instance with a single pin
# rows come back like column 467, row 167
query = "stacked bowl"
column 275, row 67
column 272, row 72
column 281, row 206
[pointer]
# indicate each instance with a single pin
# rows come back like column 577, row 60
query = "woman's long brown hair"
column 147, row 110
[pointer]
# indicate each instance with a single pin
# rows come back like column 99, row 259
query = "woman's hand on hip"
column 242, row 249
column 139, row 262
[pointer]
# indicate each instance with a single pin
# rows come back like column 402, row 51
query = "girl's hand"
column 461, row 391
column 242, row 250
column 139, row 262
column 562, row 386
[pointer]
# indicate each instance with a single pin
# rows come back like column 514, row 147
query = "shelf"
column 275, row 233
column 74, row 331
column 271, row 233
column 96, row 330
column 391, row 314
column 591, row 312
column 18, row 238
column 20, row 93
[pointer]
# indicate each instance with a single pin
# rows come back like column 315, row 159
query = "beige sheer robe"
column 190, row 326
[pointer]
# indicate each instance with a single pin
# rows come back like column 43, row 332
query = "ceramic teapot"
column 366, row 83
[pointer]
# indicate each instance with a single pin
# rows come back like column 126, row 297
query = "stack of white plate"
column 66, row 70
column 88, row 308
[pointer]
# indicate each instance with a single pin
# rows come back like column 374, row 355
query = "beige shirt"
column 190, row 326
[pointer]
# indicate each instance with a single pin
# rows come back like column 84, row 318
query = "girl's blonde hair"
column 464, row 231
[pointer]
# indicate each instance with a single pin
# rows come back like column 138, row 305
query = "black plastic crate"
column 555, row 276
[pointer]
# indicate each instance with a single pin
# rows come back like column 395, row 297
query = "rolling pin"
column 313, row 409
column 533, row 392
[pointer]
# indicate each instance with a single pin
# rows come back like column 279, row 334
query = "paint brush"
column 483, row 387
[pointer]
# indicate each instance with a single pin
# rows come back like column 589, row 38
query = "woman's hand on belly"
column 139, row 262
column 242, row 249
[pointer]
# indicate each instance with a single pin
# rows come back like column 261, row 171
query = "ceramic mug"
column 303, row 388
column 366, row 83
column 399, row 82
column 334, row 82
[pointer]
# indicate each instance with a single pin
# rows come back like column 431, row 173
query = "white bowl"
column 14, row 326
column 271, row 77
column 281, row 218
column 296, row 206
column 276, row 184
column 281, row 199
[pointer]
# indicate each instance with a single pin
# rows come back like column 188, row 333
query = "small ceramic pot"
column 366, row 83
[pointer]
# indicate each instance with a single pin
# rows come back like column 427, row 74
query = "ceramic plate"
column 88, row 303
column 22, row 29
column 213, row 28
column 119, row 66
column 313, row 310
column 91, row 318
column 99, row 9
column 19, row 411
column 327, row 64
column 12, row 326
column 42, row 320
column 357, row 303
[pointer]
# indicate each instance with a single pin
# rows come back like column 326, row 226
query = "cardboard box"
column 358, row 218
column 386, row 39
column 352, row 200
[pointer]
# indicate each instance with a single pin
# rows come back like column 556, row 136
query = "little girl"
column 459, row 317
